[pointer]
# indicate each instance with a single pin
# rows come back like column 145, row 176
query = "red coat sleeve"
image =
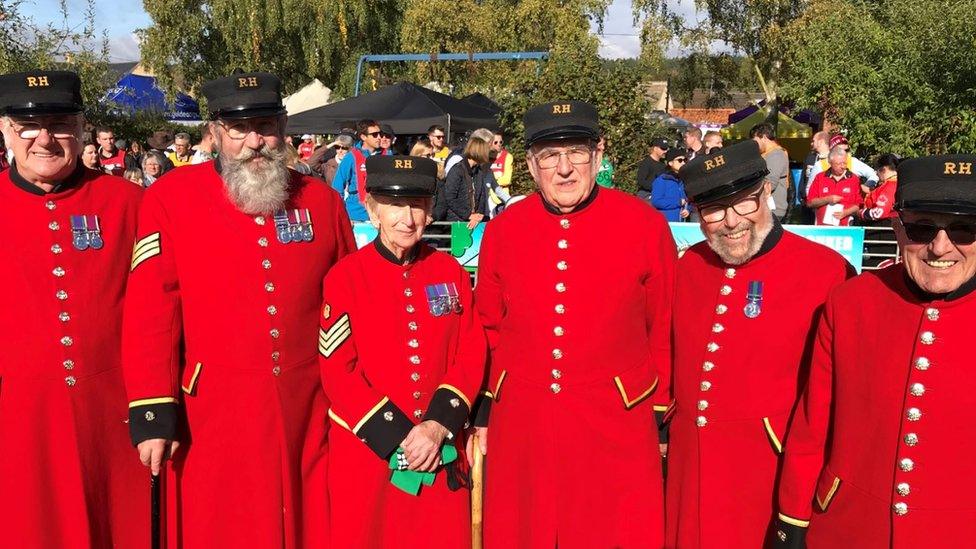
column 452, row 402
column 152, row 328
column 659, row 292
column 805, row 444
column 355, row 404
column 490, row 303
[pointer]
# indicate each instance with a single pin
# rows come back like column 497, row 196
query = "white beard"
column 256, row 189
column 756, row 239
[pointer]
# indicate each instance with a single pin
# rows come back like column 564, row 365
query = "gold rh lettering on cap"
column 564, row 108
column 37, row 81
column 403, row 164
column 249, row 82
column 714, row 163
column 962, row 168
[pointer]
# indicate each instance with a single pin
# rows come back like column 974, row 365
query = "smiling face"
column 52, row 154
column 738, row 237
column 939, row 266
column 567, row 183
column 401, row 221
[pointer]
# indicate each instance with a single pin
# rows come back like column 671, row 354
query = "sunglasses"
column 924, row 232
column 373, row 134
column 437, row 136
column 679, row 160
column 341, row 148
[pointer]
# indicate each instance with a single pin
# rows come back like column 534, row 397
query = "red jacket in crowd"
column 848, row 187
column 68, row 474
column 578, row 325
column 879, row 203
column 114, row 164
column 879, row 453
column 742, row 339
column 219, row 350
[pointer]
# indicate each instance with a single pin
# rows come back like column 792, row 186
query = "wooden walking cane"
column 154, row 510
column 477, row 493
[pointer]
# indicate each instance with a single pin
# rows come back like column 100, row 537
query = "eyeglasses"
column 341, row 148
column 549, row 159
column 924, row 232
column 680, row 160
column 59, row 129
column 373, row 134
column 713, row 213
column 240, row 130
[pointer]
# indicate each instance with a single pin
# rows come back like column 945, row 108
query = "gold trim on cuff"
column 456, row 391
column 370, row 414
column 338, row 420
column 793, row 521
column 151, row 401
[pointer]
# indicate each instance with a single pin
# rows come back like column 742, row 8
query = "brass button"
column 560, row 309
column 58, row 272
column 555, row 388
column 705, row 385
column 67, row 341
column 410, row 309
column 276, row 370
column 275, row 355
column 903, row 489
column 64, row 316
column 730, row 273
column 259, row 219
column 558, row 331
column 70, row 381
column 726, row 290
column 408, row 292
column 275, row 333
column 721, row 309
column 917, row 389
column 269, row 287
column 416, row 395
column 932, row 314
column 906, row 464
column 263, row 242
column 562, row 244
column 708, row 366
column 454, row 402
column 413, row 343
column 62, row 295
column 415, row 376
column 68, row 364
column 712, row 347
column 557, row 374
column 53, row 225
column 564, row 223
column 562, row 265
column 418, row 413
column 701, row 421
column 266, row 263
column 702, row 405
column 50, row 205
column 414, row 359
column 406, row 274
column 717, row 328
column 927, row 338
column 911, row 439
column 388, row 416
column 914, row 414
column 150, row 416
column 56, row 249
column 900, row 508
column 272, row 310
column 412, row 326
column 557, row 354
column 560, row 287
column 922, row 363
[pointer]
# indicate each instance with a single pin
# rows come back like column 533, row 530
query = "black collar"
column 963, row 290
column 25, row 185
column 386, row 254
column 579, row 207
column 772, row 239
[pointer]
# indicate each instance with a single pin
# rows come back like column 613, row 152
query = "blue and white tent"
column 135, row 92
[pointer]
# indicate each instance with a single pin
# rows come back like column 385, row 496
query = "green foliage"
column 898, row 75
column 191, row 41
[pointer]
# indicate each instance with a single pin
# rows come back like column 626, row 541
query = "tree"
column 899, row 75
column 191, row 41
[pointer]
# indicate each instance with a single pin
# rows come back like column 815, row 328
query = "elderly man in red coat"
column 879, row 453
column 746, row 304
column 579, row 335
column 219, row 345
column 67, row 477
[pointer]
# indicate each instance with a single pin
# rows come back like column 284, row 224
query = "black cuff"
column 662, row 427
column 449, row 409
column 788, row 536
column 482, row 410
column 152, row 421
column 385, row 430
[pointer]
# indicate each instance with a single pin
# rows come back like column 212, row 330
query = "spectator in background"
column 501, row 161
column 604, row 175
column 437, row 136
column 181, row 154
column 204, row 150
column 879, row 201
column 134, row 175
column 457, row 154
column 869, row 178
column 306, row 148
column 350, row 176
column 836, row 193
column 466, row 188
column 778, row 164
column 387, row 140
column 294, row 162
column 693, row 142
column 341, row 146
column 133, row 156
column 153, row 167
column 712, row 141
column 651, row 167
column 89, row 157
column 423, row 149
column 669, row 196
column 160, row 142
column 819, row 148
column 111, row 159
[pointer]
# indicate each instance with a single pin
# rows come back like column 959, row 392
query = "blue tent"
column 140, row 93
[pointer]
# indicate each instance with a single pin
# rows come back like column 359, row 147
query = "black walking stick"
column 154, row 511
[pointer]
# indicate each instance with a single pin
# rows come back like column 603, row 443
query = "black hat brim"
column 42, row 109
column 943, row 207
column 396, row 191
column 565, row 132
column 243, row 113
column 730, row 189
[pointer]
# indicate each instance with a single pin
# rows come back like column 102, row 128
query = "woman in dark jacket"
column 465, row 193
column 668, row 194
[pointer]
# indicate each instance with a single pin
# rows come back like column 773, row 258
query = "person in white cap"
column 306, row 148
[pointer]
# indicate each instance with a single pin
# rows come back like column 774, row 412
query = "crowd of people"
column 221, row 334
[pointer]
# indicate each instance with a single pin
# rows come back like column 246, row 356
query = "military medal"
column 86, row 232
column 293, row 225
column 282, row 226
column 754, row 298
column 443, row 299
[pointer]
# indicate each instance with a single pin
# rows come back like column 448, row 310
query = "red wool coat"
column 889, row 402
column 735, row 383
column 68, row 475
column 220, row 328
column 577, row 309
column 391, row 358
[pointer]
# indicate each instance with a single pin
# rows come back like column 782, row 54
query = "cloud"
column 123, row 48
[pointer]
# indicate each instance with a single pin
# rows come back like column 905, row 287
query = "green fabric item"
column 604, row 177
column 410, row 481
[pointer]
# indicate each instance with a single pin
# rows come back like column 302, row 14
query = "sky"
column 620, row 38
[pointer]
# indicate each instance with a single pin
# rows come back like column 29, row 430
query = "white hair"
column 256, row 189
column 837, row 153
